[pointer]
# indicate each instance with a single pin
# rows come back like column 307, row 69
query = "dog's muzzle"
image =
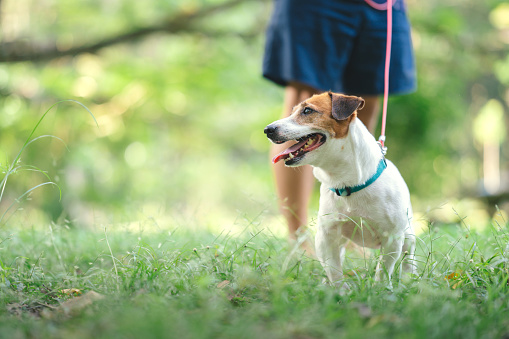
column 293, row 154
column 272, row 133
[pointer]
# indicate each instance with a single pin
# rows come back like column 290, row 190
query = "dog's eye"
column 307, row 110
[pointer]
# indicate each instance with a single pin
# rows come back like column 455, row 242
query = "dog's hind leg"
column 409, row 264
column 391, row 251
column 330, row 250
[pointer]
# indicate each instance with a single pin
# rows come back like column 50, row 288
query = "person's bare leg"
column 369, row 114
column 294, row 185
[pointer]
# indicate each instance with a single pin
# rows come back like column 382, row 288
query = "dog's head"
column 312, row 123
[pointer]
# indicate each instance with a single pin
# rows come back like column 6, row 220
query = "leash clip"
column 380, row 143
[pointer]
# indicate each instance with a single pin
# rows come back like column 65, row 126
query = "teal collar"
column 347, row 191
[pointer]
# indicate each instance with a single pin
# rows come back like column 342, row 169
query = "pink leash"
column 381, row 7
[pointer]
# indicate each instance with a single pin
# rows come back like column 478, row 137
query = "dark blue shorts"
column 338, row 45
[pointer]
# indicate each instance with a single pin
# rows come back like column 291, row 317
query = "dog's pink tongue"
column 286, row 153
column 280, row 156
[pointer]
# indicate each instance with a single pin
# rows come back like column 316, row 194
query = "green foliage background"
column 181, row 116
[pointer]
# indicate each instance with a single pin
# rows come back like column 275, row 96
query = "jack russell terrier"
column 362, row 195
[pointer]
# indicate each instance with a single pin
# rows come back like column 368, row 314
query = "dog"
column 363, row 197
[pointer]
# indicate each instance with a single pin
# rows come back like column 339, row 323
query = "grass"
column 64, row 282
column 196, row 284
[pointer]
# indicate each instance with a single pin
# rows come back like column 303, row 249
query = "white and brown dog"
column 362, row 197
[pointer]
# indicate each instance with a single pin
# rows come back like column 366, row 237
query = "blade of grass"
column 112, row 257
column 24, row 194
column 29, row 140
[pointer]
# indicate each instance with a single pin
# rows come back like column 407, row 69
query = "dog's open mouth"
column 304, row 145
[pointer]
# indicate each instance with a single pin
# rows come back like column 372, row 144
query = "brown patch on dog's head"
column 329, row 111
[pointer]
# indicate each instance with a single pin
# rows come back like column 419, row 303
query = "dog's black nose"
column 270, row 130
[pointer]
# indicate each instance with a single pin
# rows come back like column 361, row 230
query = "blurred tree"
column 184, row 21
column 181, row 105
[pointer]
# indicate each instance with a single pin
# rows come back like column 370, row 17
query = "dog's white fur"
column 377, row 216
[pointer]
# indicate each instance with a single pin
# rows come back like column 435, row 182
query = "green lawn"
column 181, row 283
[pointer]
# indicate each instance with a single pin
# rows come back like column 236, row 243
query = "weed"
column 224, row 285
column 15, row 166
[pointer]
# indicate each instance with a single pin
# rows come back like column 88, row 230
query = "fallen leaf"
column 453, row 275
column 456, row 285
column 223, row 284
column 77, row 304
column 71, row 291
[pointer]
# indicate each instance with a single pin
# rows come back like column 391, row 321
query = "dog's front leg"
column 330, row 250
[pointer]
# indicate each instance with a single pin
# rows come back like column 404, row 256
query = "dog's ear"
column 344, row 105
